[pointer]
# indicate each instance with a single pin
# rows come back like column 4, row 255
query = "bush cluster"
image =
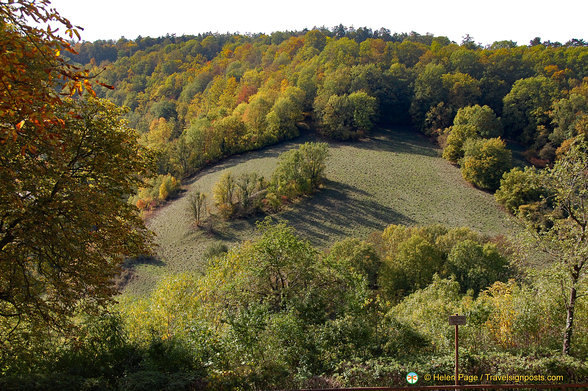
column 299, row 172
column 157, row 190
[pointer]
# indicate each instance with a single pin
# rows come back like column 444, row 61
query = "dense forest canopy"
column 199, row 98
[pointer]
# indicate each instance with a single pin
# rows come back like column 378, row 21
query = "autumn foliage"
column 67, row 167
column 33, row 74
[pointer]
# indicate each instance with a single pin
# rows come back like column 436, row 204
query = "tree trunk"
column 569, row 322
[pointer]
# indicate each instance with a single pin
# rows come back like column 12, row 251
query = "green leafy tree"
column 314, row 157
column 316, row 39
column 396, row 106
column 339, row 52
column 469, row 123
column 570, row 115
column 427, row 310
column 461, row 90
column 275, row 269
column 346, row 116
column 428, row 92
column 410, row 268
column 482, row 118
column 198, row 206
column 65, row 224
column 224, row 194
column 335, row 117
column 565, row 235
column 409, row 53
column 485, row 161
column 359, row 256
column 527, row 106
column 454, row 145
column 519, row 188
column 466, row 61
column 255, row 116
column 249, row 189
column 300, row 171
column 476, row 266
column 364, row 108
column 286, row 113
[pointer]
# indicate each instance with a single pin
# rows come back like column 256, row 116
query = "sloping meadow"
column 393, row 177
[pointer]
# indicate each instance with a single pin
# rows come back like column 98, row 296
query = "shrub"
column 215, row 250
column 475, row 266
column 300, row 171
column 156, row 191
column 485, row 161
column 519, row 187
column 456, row 138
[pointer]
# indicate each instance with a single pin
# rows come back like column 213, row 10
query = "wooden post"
column 456, row 320
column 456, row 353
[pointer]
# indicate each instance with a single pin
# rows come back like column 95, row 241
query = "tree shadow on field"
column 398, row 140
column 128, row 271
column 142, row 260
column 338, row 210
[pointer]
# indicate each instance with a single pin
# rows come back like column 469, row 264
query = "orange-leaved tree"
column 67, row 167
column 33, row 74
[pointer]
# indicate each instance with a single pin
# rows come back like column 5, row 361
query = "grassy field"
column 394, row 177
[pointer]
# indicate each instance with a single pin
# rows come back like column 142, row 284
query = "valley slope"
column 395, row 176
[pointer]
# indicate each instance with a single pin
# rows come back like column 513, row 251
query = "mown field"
column 393, row 177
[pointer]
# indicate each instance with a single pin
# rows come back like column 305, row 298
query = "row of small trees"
column 299, row 172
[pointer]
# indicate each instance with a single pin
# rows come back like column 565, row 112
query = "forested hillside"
column 198, row 99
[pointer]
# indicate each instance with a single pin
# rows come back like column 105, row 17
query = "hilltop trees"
column 222, row 94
